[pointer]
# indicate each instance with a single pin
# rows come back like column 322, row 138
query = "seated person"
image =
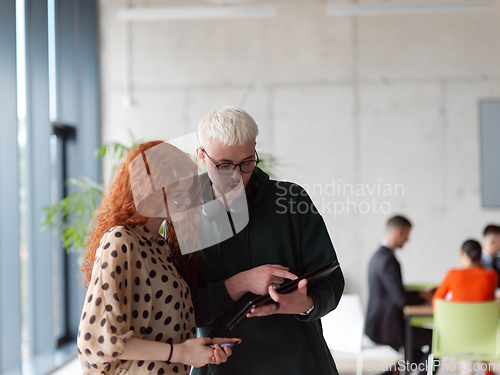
column 471, row 282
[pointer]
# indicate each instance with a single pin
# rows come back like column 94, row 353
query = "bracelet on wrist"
column 171, row 351
column 308, row 311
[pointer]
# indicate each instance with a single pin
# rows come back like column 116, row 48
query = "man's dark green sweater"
column 284, row 228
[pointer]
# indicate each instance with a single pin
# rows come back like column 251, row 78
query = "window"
column 48, row 70
column 490, row 152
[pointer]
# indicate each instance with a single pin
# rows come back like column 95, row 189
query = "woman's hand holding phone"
column 224, row 342
column 222, row 349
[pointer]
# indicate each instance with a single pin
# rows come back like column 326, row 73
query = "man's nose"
column 236, row 174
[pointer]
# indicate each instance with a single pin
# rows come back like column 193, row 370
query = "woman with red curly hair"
column 138, row 316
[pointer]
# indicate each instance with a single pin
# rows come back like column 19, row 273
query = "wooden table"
column 418, row 310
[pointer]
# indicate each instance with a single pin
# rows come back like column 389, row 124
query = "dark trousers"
column 420, row 338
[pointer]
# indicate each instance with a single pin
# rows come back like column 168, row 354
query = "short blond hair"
column 229, row 125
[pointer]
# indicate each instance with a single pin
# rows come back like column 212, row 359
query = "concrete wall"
column 389, row 102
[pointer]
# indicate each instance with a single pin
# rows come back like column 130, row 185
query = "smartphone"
column 230, row 344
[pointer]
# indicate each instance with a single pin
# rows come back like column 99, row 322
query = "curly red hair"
column 118, row 208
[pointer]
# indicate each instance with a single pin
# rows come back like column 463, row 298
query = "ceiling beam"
column 406, row 8
column 195, row 13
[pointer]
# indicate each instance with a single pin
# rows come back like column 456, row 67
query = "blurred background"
column 376, row 107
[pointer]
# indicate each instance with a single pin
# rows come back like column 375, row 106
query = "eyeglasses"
column 181, row 199
column 228, row 168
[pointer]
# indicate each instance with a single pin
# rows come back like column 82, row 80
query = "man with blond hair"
column 278, row 243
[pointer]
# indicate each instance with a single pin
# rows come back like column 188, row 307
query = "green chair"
column 466, row 331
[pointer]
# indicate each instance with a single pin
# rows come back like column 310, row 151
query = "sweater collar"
column 262, row 180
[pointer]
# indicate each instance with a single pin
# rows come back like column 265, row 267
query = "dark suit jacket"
column 384, row 318
column 496, row 267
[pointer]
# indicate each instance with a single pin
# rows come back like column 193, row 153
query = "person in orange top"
column 471, row 283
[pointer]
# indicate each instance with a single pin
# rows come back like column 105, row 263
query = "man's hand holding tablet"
column 257, row 280
column 292, row 295
column 295, row 302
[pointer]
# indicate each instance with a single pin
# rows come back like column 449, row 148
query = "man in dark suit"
column 384, row 319
column 491, row 249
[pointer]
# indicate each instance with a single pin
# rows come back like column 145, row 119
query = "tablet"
column 290, row 286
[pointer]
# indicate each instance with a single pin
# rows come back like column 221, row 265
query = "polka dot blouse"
column 135, row 291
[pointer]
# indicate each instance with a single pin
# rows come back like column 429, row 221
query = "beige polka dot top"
column 135, row 291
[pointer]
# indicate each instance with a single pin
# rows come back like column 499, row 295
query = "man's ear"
column 200, row 155
column 496, row 239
